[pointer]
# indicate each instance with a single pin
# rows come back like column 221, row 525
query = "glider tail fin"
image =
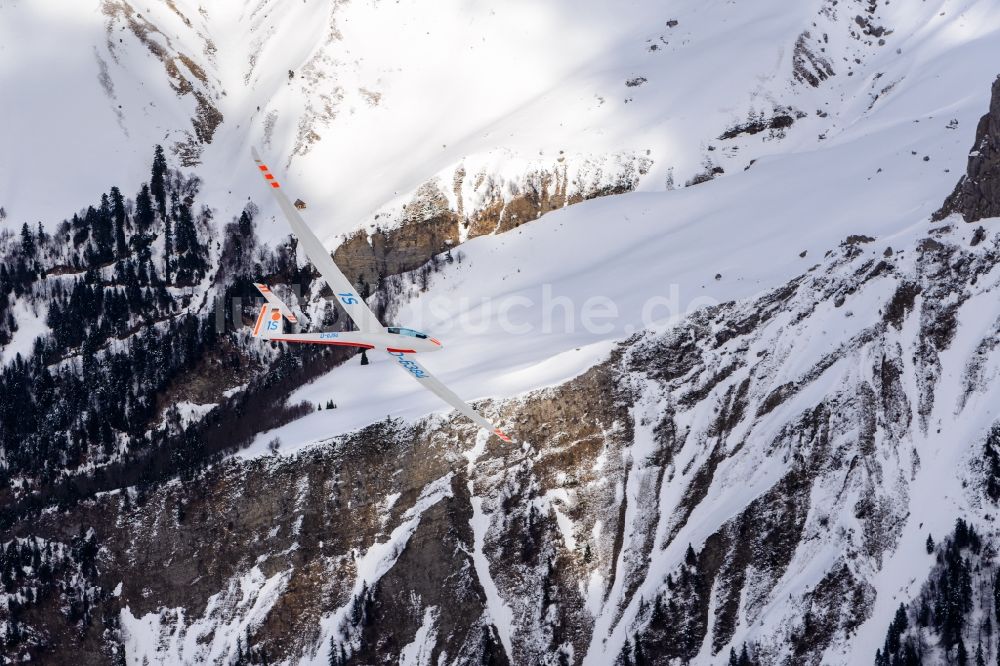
column 268, row 321
column 264, row 326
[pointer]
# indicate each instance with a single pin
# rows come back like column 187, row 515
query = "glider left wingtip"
column 499, row 433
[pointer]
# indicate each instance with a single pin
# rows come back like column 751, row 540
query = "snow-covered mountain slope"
column 883, row 172
column 489, row 140
column 783, row 383
column 765, row 473
column 362, row 103
column 513, row 313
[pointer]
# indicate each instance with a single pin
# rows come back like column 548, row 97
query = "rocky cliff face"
column 428, row 229
column 491, row 204
column 435, row 220
column 977, row 194
column 746, row 478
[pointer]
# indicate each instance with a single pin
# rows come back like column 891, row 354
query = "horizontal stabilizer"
column 275, row 302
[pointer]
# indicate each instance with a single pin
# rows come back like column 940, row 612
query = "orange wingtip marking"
column 263, row 167
column 435, row 341
column 275, row 184
column 499, row 433
column 263, row 287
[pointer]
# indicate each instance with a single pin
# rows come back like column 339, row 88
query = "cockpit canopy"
column 407, row 331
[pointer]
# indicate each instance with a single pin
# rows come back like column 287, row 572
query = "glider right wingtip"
column 500, row 433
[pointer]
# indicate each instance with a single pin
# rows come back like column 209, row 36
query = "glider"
column 403, row 344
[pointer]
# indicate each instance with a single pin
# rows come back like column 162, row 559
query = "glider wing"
column 409, row 363
column 349, row 299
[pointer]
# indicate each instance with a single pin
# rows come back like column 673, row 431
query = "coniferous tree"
column 338, row 656
column 240, row 658
column 168, row 238
column 80, row 230
column 144, row 213
column 185, row 237
column 961, row 533
column 239, row 245
column 27, row 241
column 996, row 601
column 889, row 654
column 975, row 543
column 102, row 228
column 991, row 451
column 639, row 655
column 191, row 255
column 930, row 544
column 118, row 218
column 690, row 558
column 626, row 655
column 158, row 181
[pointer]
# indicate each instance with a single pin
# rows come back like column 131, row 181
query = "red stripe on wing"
column 325, row 342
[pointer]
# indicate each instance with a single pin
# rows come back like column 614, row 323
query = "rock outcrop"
column 428, row 228
column 977, row 194
column 431, row 222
